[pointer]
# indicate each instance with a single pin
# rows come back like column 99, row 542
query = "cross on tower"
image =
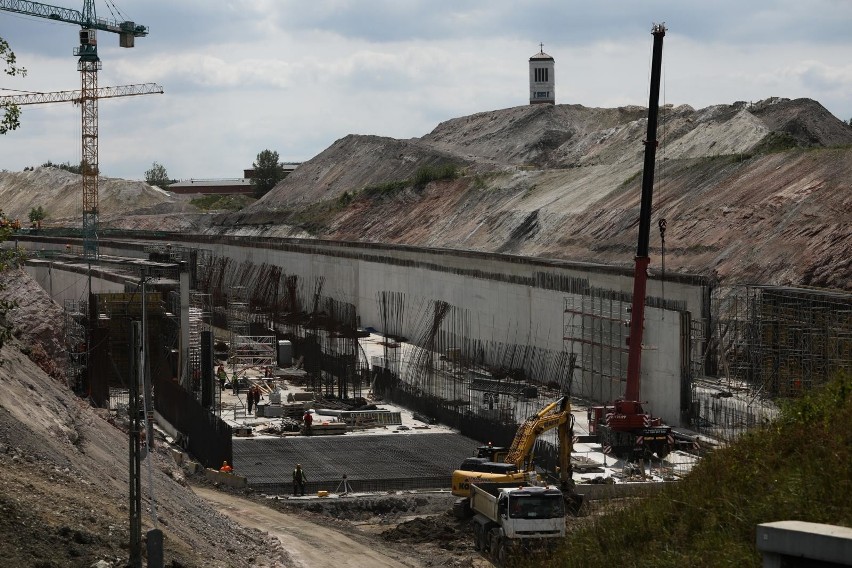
column 541, row 46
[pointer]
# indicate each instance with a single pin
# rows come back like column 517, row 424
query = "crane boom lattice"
column 76, row 96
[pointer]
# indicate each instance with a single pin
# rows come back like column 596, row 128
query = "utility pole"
column 134, row 446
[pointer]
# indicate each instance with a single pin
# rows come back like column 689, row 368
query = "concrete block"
column 273, row 411
column 229, row 479
column 300, row 396
column 782, row 541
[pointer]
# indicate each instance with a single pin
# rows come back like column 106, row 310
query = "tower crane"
column 88, row 64
column 77, row 96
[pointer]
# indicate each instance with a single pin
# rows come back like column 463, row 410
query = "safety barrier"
column 357, row 485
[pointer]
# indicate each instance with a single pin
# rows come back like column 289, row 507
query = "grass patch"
column 776, row 142
column 385, row 189
column 798, row 468
column 423, row 176
column 222, row 202
column 316, row 217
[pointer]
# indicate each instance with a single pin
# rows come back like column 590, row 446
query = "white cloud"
column 293, row 76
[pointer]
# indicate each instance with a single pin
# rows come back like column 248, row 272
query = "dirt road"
column 309, row 544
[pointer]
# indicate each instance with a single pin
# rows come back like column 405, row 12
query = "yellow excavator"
column 515, row 464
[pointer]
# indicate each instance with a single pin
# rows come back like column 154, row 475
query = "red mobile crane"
column 625, row 428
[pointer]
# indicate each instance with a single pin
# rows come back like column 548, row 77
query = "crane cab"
column 88, row 36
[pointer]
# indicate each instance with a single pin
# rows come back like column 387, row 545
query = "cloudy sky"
column 293, row 76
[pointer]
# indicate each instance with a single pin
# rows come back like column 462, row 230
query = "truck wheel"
column 495, row 546
column 478, row 537
column 502, row 554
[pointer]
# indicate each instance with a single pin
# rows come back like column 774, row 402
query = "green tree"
column 37, row 215
column 8, row 257
column 9, row 121
column 158, row 176
column 11, row 113
column 65, row 166
column 267, row 172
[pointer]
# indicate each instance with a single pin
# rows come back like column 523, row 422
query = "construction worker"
column 225, row 467
column 222, row 376
column 309, row 419
column 299, row 480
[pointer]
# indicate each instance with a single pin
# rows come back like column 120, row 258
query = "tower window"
column 541, row 75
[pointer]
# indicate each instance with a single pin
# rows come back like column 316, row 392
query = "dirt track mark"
column 308, row 544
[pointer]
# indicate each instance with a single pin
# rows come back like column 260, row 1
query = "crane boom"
column 71, row 16
column 624, row 428
column 76, row 96
column 640, row 273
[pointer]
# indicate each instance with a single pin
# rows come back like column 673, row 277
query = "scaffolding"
column 783, row 341
column 595, row 329
column 253, row 352
column 773, row 342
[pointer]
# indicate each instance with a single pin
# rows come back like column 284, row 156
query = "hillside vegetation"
column 798, row 468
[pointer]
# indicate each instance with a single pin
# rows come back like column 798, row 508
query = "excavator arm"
column 555, row 415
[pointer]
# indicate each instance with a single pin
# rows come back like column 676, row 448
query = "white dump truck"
column 509, row 518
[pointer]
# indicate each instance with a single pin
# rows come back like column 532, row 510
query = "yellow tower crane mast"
column 88, row 63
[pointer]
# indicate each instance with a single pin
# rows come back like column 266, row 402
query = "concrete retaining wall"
column 507, row 300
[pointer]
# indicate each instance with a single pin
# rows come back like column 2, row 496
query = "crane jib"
column 71, row 16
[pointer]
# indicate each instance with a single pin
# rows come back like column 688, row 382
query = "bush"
column 796, row 468
column 426, row 174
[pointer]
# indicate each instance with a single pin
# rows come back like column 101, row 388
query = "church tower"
column 542, row 78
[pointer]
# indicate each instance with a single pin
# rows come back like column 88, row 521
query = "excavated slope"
column 350, row 164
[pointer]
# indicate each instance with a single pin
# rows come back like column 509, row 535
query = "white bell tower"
column 542, row 78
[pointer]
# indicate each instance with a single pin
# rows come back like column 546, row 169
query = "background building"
column 542, row 78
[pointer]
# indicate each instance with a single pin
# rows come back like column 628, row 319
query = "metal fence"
column 206, row 436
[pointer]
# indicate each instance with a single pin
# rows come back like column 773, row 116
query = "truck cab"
column 508, row 516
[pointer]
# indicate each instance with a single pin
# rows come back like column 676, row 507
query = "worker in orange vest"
column 226, row 468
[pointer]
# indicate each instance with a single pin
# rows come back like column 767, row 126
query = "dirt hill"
column 752, row 193
column 121, row 203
